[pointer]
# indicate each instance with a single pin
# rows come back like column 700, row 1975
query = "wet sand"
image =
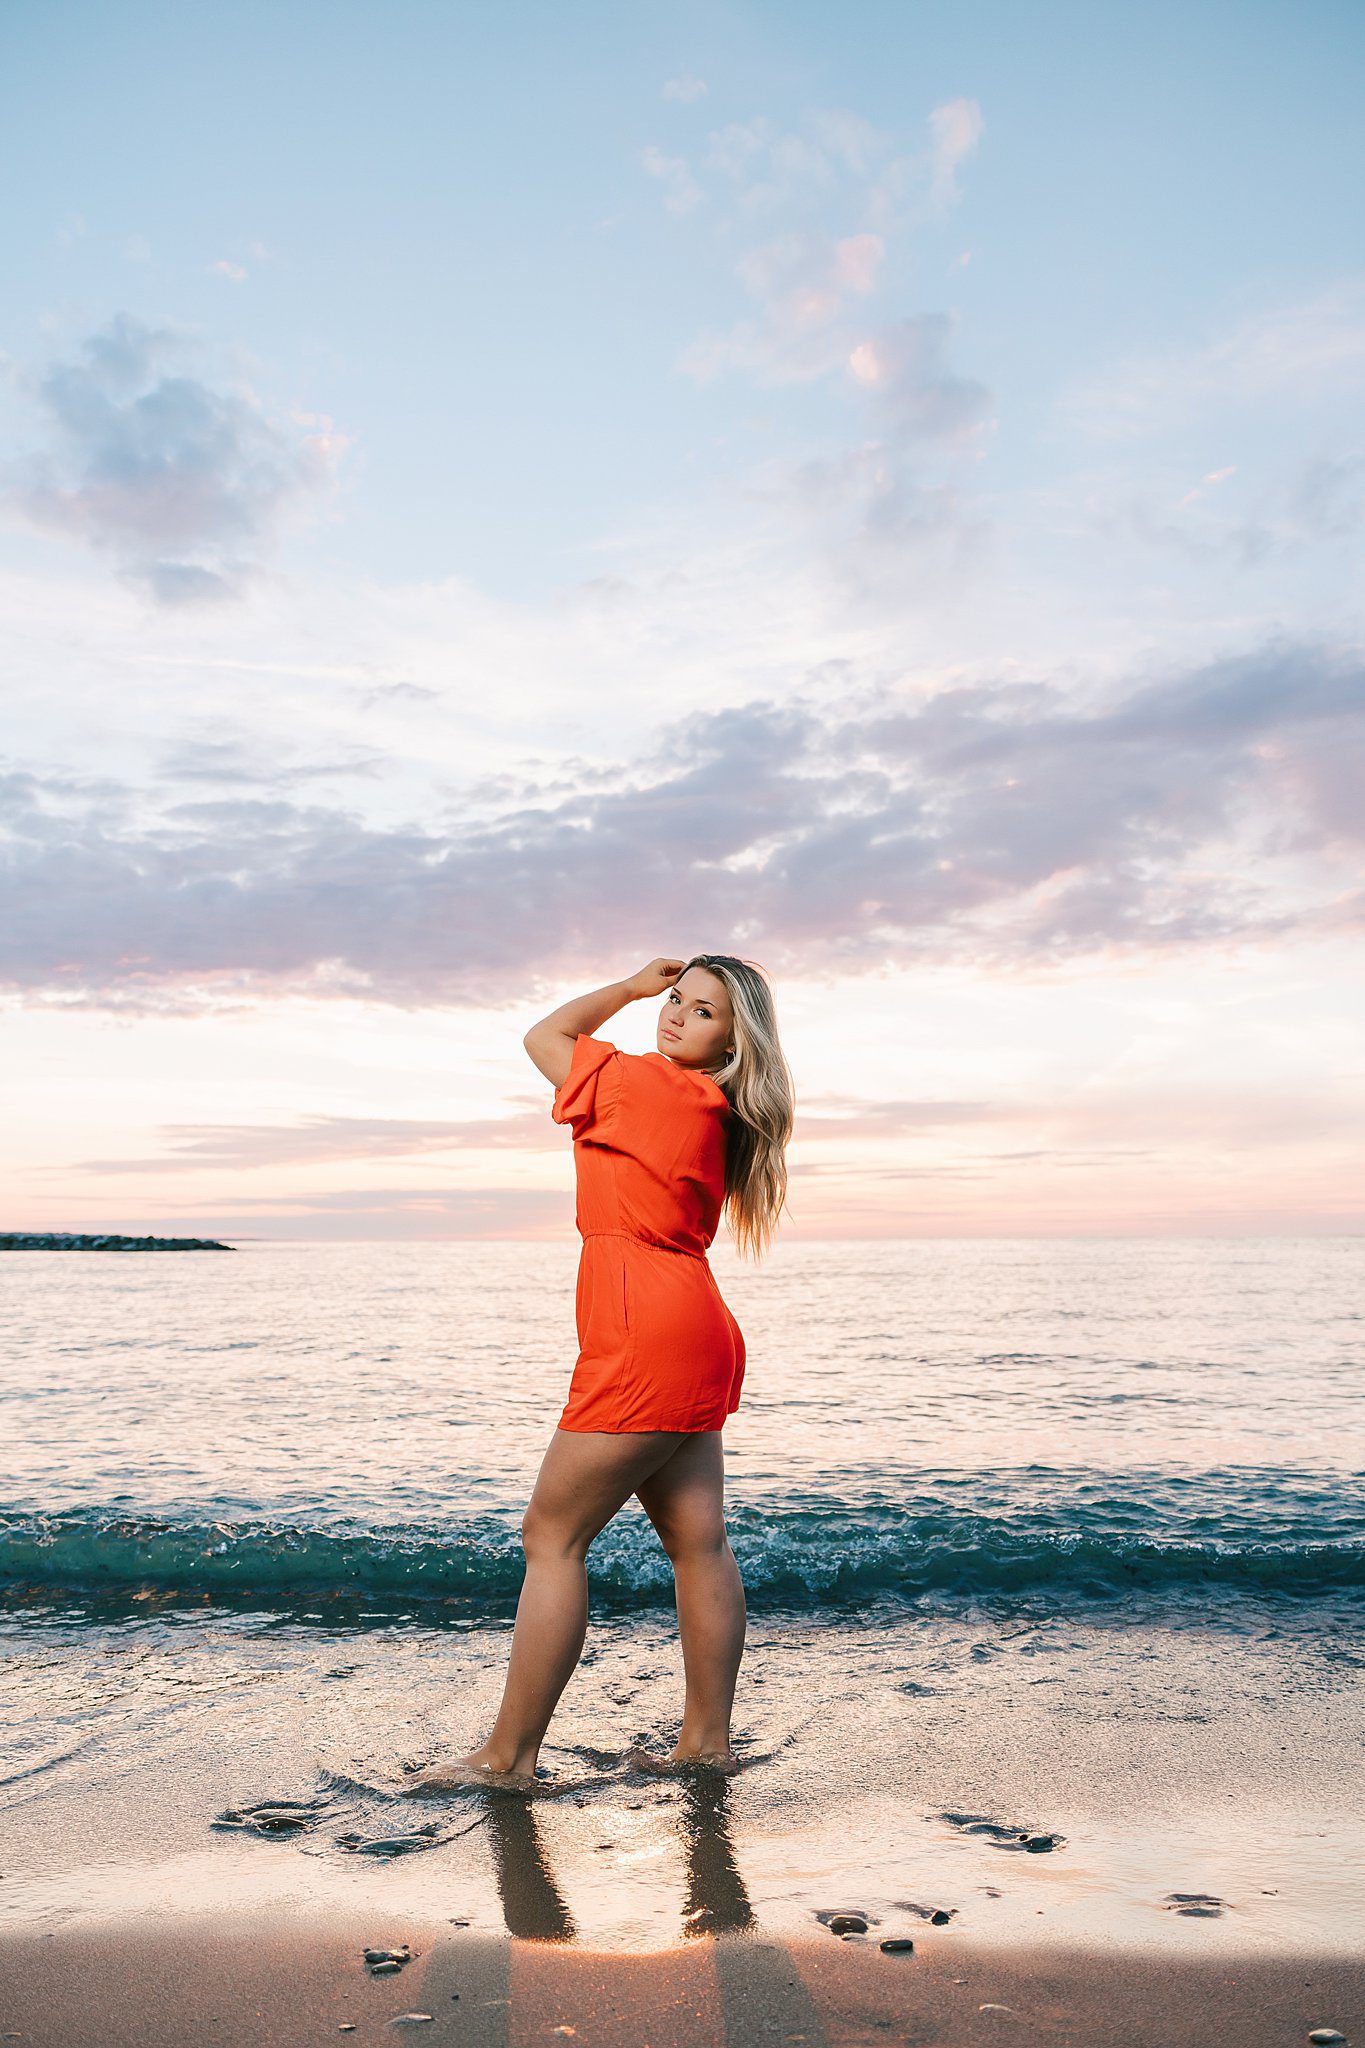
column 283, row 1980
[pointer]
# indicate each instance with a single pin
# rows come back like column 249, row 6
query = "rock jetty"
column 80, row 1241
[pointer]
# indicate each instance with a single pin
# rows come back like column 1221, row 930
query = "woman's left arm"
column 550, row 1043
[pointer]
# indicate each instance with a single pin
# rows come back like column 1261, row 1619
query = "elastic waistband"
column 650, row 1243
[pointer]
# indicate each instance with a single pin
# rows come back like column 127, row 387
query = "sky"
column 489, row 496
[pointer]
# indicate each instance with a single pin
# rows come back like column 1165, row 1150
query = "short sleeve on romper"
column 584, row 1097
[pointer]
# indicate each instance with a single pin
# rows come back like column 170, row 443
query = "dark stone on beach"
column 87, row 1241
column 848, row 1923
column 938, row 1918
column 385, row 1959
column 897, row 1945
column 1325, row 2034
column 1196, row 1905
column 1038, row 1844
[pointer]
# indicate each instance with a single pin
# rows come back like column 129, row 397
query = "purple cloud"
column 1003, row 826
column 176, row 481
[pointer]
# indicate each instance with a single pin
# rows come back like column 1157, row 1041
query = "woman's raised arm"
column 550, row 1042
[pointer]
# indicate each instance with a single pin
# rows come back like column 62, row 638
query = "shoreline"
column 289, row 1977
column 1199, row 1789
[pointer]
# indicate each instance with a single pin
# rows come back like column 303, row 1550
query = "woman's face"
column 696, row 1022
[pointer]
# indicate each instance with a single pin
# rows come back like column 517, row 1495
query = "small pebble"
column 1037, row 1845
column 848, row 1923
column 995, row 2008
column 1326, row 2034
column 385, row 1969
column 939, row 1918
column 898, row 1945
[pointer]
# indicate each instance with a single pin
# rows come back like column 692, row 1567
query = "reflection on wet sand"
column 717, row 1901
column 532, row 1904
column 535, row 1909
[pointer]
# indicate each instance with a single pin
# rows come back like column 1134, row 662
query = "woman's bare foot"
column 682, row 1760
column 473, row 1769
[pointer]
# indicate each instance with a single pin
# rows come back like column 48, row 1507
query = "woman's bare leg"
column 585, row 1476
column 684, row 1500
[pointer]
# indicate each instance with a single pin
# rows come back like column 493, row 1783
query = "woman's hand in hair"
column 654, row 979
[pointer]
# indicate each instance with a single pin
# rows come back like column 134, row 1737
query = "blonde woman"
column 664, row 1143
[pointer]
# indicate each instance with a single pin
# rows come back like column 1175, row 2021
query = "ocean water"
column 1036, row 1535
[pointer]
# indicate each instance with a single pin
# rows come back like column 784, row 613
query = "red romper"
column 658, row 1348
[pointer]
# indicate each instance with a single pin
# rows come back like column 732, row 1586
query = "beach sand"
column 283, row 1980
column 1197, row 1871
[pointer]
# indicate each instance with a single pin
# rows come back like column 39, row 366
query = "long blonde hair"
column 758, row 1083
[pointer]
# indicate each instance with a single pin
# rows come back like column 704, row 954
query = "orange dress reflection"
column 658, row 1348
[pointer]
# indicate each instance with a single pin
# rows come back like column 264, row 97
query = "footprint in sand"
column 937, row 1916
column 426, row 1837
column 276, row 1816
column 1195, row 1905
column 1003, row 1834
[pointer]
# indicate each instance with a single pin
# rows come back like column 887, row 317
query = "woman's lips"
column 672, row 1034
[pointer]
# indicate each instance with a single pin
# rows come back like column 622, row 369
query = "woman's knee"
column 699, row 1537
column 545, row 1534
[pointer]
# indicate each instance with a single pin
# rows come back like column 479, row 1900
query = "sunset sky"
column 492, row 494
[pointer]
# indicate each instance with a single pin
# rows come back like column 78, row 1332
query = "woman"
column 663, row 1141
